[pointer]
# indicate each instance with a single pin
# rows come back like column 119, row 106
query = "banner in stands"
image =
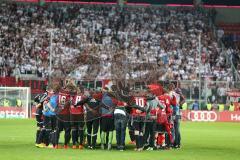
column 200, row 116
column 234, row 96
column 37, row 86
column 211, row 116
column 13, row 112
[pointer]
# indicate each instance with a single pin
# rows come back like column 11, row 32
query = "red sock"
column 160, row 139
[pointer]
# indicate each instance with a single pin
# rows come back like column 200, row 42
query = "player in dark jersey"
column 138, row 119
column 92, row 103
column 39, row 99
column 107, row 120
column 93, row 116
column 106, row 107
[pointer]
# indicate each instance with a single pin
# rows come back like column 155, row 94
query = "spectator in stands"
column 237, row 105
column 235, row 58
column 195, row 105
column 220, row 33
column 221, row 92
column 215, row 106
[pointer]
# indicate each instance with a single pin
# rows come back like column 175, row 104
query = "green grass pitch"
column 201, row 141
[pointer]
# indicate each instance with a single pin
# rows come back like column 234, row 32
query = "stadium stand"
column 164, row 36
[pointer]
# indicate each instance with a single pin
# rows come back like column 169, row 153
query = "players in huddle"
column 154, row 119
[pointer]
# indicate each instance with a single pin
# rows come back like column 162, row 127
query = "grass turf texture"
column 201, row 141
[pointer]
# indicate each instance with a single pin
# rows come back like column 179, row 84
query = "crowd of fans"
column 168, row 38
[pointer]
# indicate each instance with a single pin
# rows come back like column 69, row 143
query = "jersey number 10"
column 140, row 102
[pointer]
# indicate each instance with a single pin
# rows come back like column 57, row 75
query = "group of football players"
column 153, row 118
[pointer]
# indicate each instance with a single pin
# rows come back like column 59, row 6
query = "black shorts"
column 49, row 122
column 39, row 119
column 138, row 126
column 63, row 122
column 63, row 117
column 107, row 124
column 77, row 121
column 138, row 123
column 130, row 125
column 138, row 119
column 160, row 128
column 77, row 117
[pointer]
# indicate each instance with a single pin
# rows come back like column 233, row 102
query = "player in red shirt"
column 77, row 119
column 63, row 114
column 137, row 119
column 164, row 118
